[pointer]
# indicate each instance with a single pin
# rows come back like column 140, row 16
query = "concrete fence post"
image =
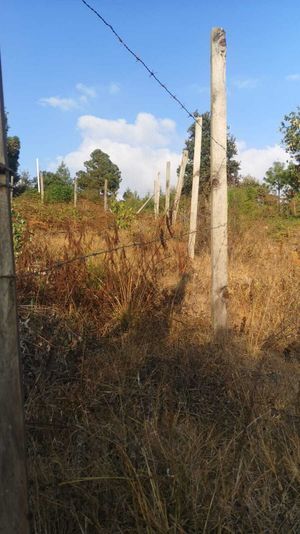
column 42, row 187
column 38, row 174
column 13, row 478
column 219, row 291
column 195, row 187
column 180, row 180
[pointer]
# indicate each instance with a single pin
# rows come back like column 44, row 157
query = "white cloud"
column 88, row 92
column 140, row 149
column 114, row 88
column 246, row 83
column 293, row 78
column 65, row 104
column 256, row 161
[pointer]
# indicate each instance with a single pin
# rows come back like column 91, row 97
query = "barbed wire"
column 161, row 238
column 146, row 67
column 141, row 61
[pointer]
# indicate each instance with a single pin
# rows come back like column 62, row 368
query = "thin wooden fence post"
column 156, row 195
column 219, row 291
column 13, row 479
column 38, row 175
column 42, row 186
column 105, row 194
column 184, row 161
column 75, row 192
column 145, row 204
column 195, row 187
column 168, row 177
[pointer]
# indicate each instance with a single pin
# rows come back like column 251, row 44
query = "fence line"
column 161, row 239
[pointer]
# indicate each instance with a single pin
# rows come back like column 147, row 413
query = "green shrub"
column 124, row 215
column 59, row 193
column 91, row 194
column 30, row 194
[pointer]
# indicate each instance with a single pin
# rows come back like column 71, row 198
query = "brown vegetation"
column 136, row 421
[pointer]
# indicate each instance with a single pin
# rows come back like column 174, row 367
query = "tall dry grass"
column 136, row 420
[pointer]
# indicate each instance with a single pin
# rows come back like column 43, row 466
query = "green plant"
column 123, row 214
column 19, row 228
column 59, row 193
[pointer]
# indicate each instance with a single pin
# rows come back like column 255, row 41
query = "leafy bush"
column 123, row 214
column 91, row 194
column 31, row 194
column 59, row 193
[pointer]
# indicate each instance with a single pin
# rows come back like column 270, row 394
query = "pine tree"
column 98, row 169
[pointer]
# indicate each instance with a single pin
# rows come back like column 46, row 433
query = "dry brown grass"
column 136, row 420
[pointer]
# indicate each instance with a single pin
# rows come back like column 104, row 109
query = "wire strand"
column 141, row 61
column 146, row 67
column 60, row 264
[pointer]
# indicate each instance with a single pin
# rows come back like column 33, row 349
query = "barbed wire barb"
column 148, row 69
column 138, row 59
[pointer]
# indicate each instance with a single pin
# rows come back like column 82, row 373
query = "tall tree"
column 290, row 127
column 13, row 151
column 129, row 194
column 63, row 173
column 233, row 165
column 23, row 184
column 61, row 176
column 282, row 179
column 276, row 178
column 98, row 168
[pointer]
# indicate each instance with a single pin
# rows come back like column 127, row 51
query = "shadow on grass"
column 145, row 433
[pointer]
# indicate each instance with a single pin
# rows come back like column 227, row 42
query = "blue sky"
column 68, row 82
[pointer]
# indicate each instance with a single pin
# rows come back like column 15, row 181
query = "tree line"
column 283, row 179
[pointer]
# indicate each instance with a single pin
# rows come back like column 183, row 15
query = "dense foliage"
column 290, row 127
column 283, row 179
column 232, row 164
column 98, row 169
column 13, row 151
column 58, row 185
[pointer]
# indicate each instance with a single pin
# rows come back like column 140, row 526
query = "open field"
column 135, row 420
